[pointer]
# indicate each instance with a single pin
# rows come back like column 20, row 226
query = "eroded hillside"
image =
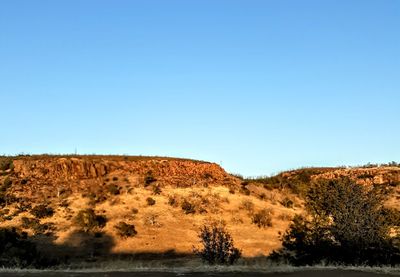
column 58, row 199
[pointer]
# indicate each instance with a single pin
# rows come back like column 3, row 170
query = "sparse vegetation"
column 188, row 207
column 42, row 211
column 247, row 205
column 16, row 251
column 149, row 178
column 192, row 194
column 35, row 225
column 150, row 201
column 347, row 225
column 125, row 230
column 156, row 190
column 6, row 184
column 243, row 189
column 6, row 163
column 173, row 201
column 262, row 218
column 113, row 189
column 217, row 245
column 89, row 221
column 151, row 219
column 287, row 202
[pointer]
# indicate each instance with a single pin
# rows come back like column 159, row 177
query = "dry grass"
column 165, row 226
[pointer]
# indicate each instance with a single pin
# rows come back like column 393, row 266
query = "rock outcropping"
column 78, row 168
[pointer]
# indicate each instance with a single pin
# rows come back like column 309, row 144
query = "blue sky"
column 257, row 86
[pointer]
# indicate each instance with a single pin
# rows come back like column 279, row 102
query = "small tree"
column 218, row 247
column 347, row 223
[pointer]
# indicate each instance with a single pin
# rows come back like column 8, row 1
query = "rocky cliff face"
column 64, row 169
column 366, row 176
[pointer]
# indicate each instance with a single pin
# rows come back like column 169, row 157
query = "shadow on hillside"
column 87, row 250
column 81, row 247
column 78, row 246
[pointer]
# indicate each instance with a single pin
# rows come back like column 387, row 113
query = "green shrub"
column 88, row 220
column 262, row 218
column 125, row 230
column 150, row 201
column 42, row 211
column 217, row 245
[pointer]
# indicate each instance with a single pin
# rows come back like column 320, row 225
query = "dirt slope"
column 187, row 194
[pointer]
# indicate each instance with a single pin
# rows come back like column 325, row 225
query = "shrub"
column 16, row 251
column 29, row 223
column 149, row 178
column 218, row 246
column 208, row 175
column 96, row 198
column 262, row 196
column 113, row 189
column 173, row 201
column 287, row 202
column 151, row 219
column 115, row 178
column 156, row 190
column 248, row 206
column 346, row 224
column 6, row 163
column 125, row 230
column 262, row 218
column 6, row 184
column 244, row 191
column 150, row 201
column 42, row 211
column 88, row 221
column 36, row 227
column 188, row 207
column 135, row 211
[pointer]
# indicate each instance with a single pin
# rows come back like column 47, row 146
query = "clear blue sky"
column 258, row 86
